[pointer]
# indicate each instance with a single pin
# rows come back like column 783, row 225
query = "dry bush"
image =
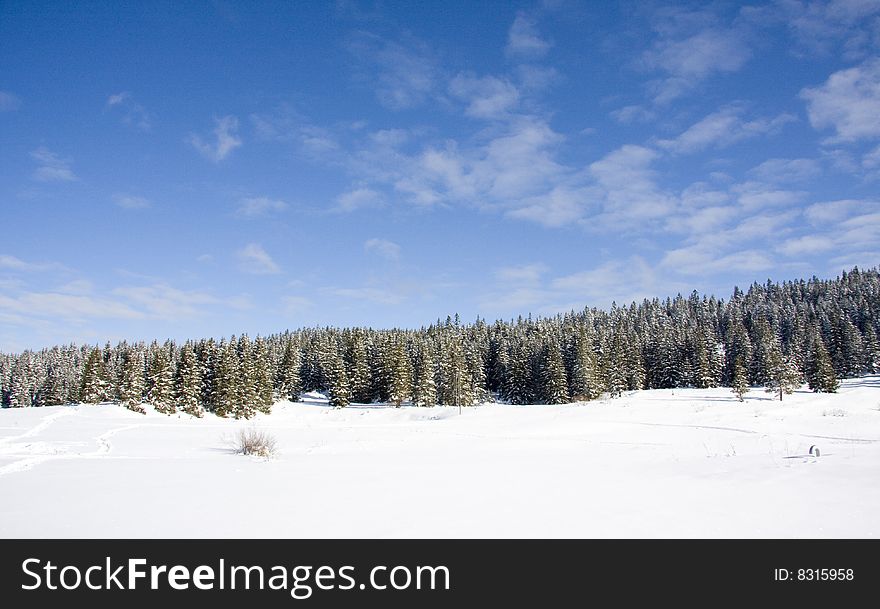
column 255, row 442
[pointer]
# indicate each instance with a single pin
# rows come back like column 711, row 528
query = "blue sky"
column 200, row 169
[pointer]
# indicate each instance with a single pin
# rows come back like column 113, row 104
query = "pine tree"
column 288, row 381
column 337, row 377
column 782, row 374
column 425, row 390
column 517, row 388
column 160, row 380
column 188, row 382
column 358, row 368
column 399, row 372
column 133, row 383
column 740, row 382
column 553, row 375
column 93, row 389
column 261, row 376
column 227, row 380
column 586, row 382
column 820, row 373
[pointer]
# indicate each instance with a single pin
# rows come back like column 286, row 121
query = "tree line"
column 774, row 335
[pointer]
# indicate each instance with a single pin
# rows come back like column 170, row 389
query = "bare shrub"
column 255, row 442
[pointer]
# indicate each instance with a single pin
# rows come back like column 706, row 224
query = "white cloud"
column 133, row 113
column 130, row 202
column 630, row 194
column 689, row 58
column 756, row 195
column 358, row 199
column 721, row 129
column 561, row 206
column 387, row 249
column 784, row 171
column 67, row 306
column 296, row 305
column 260, row 206
column 487, row 97
column 703, row 260
column 632, row 114
column 226, row 139
column 377, row 295
column 255, row 260
column 118, row 98
column 806, row 245
column 403, row 73
column 165, row 302
column 524, row 274
column 524, row 40
column 52, row 168
column 17, row 264
column 9, row 102
column 603, row 284
column 819, row 26
column 833, row 212
column 848, row 102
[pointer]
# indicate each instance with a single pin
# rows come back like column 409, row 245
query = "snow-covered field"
column 662, row 463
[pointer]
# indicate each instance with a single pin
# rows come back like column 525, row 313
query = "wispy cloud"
column 133, row 114
column 66, row 306
column 383, row 247
column 785, row 171
column 403, row 73
column 16, row 264
column 369, row 294
column 9, row 102
column 260, row 206
column 130, row 202
column 295, row 305
column 723, row 128
column 691, row 47
column 225, row 139
column 358, row 199
column 52, row 168
column 254, row 259
column 524, row 40
column 487, row 97
column 820, row 28
column 848, row 102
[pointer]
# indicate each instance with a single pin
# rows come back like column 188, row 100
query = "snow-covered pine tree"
column 288, row 381
column 586, row 383
column 358, row 367
column 262, row 376
column 554, row 381
column 188, row 382
column 246, row 406
column 94, row 386
column 820, row 371
column 133, row 382
column 782, row 373
column 23, row 383
column 615, row 366
column 399, row 372
column 338, row 390
column 425, row 390
column 227, row 379
column 517, row 388
column 160, row 381
column 740, row 381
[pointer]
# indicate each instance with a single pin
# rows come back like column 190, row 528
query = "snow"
column 659, row 463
